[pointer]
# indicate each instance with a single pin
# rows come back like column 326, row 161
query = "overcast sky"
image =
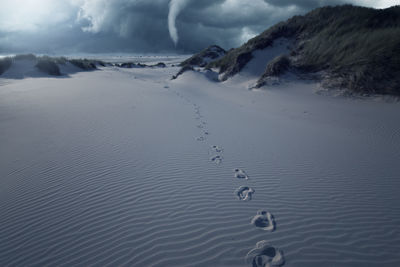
column 149, row 26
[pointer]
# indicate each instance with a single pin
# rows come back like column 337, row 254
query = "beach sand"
column 124, row 167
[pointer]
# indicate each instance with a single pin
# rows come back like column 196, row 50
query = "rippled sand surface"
column 127, row 168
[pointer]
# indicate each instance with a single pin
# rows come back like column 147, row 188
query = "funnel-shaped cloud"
column 175, row 7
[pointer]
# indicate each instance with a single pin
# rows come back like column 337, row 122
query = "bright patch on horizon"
column 377, row 4
column 247, row 34
column 32, row 15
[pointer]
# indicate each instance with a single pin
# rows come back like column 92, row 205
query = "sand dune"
column 117, row 167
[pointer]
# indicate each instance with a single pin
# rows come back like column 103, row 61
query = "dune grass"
column 24, row 57
column 84, row 64
column 211, row 52
column 48, row 66
column 358, row 47
column 5, row 64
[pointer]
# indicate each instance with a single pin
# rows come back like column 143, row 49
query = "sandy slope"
column 114, row 167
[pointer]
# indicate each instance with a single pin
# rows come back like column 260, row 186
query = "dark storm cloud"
column 306, row 4
column 143, row 25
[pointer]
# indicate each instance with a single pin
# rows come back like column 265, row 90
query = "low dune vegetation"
column 5, row 64
column 130, row 65
column 50, row 65
column 86, row 64
column 202, row 58
column 53, row 66
column 24, row 57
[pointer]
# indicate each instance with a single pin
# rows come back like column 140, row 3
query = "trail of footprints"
column 216, row 154
column 263, row 254
column 202, row 124
column 240, row 174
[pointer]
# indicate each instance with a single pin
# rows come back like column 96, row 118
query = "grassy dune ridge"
column 357, row 48
column 49, row 65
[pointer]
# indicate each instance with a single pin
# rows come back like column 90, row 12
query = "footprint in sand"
column 200, row 126
column 240, row 174
column 201, row 138
column 264, row 220
column 217, row 159
column 206, row 133
column 265, row 255
column 216, row 149
column 244, row 193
